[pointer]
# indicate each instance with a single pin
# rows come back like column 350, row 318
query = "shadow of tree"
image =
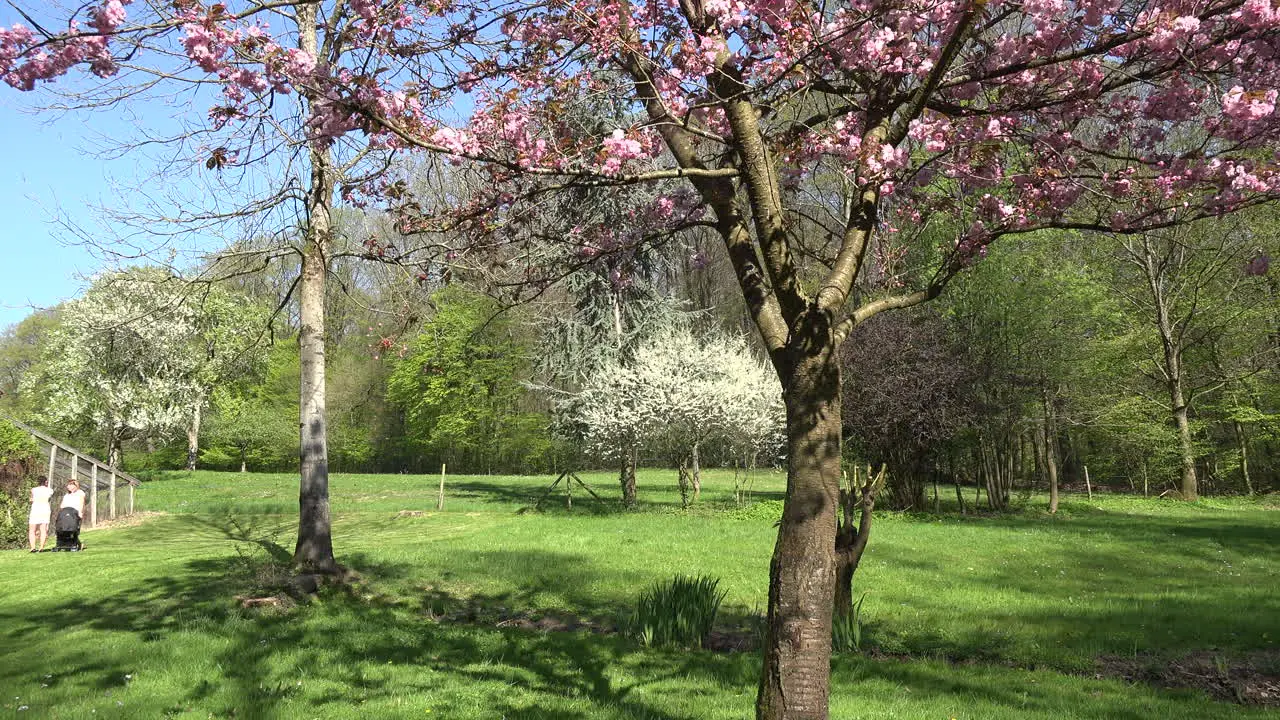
column 1125, row 583
column 350, row 645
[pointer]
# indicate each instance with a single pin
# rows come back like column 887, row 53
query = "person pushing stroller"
column 67, row 524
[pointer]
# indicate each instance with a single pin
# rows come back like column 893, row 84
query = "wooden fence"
column 110, row 489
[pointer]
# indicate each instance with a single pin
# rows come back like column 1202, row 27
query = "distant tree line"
column 1150, row 361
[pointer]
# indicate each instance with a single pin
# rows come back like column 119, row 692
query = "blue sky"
column 51, row 168
column 44, row 170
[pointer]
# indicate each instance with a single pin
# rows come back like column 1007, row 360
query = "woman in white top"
column 38, row 522
column 74, row 498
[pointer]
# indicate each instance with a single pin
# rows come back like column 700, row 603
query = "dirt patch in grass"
column 1253, row 679
column 126, row 521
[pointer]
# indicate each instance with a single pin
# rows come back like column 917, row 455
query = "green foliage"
column 677, row 612
column 17, row 451
column 15, row 444
column 255, row 422
column 846, row 630
column 20, row 349
column 459, row 387
column 13, row 521
column 763, row 510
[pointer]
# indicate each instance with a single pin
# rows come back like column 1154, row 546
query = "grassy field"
column 991, row 617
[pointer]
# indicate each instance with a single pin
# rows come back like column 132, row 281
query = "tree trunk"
column 627, row 477
column 795, row 677
column 683, row 482
column 314, row 550
column 113, row 451
column 1171, row 348
column 851, row 540
column 193, row 437
column 1189, row 486
column 244, row 465
column 697, row 473
column 1244, row 458
column 1050, row 452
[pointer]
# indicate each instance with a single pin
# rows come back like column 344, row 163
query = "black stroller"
column 67, row 526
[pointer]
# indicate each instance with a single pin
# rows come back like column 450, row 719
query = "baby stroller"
column 67, row 526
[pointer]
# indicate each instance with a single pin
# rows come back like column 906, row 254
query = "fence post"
column 440, row 497
column 53, row 458
column 93, row 493
column 1088, row 486
column 130, row 498
column 111, row 489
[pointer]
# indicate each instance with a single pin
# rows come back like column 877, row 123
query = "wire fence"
column 110, row 490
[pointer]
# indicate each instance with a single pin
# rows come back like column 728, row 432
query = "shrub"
column 17, row 455
column 846, row 630
column 767, row 510
column 15, row 444
column 679, row 611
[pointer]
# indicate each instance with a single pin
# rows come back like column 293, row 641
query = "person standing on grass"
column 38, row 522
column 74, row 498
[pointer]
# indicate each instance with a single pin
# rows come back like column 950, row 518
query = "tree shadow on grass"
column 1125, row 585
column 356, row 645
column 650, row 497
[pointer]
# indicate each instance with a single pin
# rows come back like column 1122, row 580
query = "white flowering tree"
column 677, row 392
column 139, row 354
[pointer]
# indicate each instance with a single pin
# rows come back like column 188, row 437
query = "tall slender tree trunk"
column 1244, row 457
column 1171, row 347
column 696, row 470
column 314, row 550
column 795, row 680
column 627, row 476
column 683, row 481
column 1190, row 484
column 193, row 436
column 113, row 450
column 1050, row 452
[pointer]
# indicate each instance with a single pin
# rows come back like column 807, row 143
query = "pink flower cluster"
column 22, row 65
column 617, row 149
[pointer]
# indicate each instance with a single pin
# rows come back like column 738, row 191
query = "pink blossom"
column 619, row 148
column 109, row 16
column 457, row 142
column 299, row 64
column 1241, row 105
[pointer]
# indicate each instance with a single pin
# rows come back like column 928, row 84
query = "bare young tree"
column 1190, row 284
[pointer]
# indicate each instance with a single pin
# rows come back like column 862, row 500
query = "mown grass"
column 143, row 624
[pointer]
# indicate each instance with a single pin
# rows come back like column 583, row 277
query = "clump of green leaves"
column 766, row 510
column 15, row 444
column 677, row 612
column 17, row 452
column 846, row 630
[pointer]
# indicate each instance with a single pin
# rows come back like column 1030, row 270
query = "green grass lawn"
column 991, row 617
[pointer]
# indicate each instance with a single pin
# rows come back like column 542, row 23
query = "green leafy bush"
column 15, row 444
column 678, row 612
column 17, row 455
column 846, row 630
column 767, row 510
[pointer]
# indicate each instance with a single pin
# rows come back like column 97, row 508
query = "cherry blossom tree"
column 272, row 155
column 856, row 122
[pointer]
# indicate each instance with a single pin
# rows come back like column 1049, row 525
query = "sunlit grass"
column 144, row 624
